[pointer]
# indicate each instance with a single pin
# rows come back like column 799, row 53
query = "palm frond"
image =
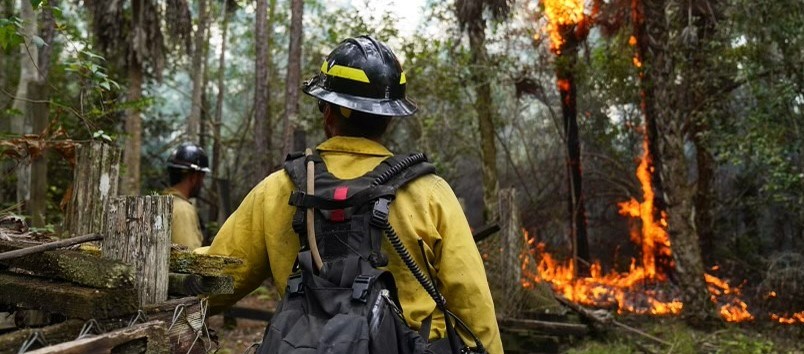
column 470, row 12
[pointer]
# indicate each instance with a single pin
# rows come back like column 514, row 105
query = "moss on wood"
column 188, row 262
column 67, row 299
column 183, row 261
column 74, row 266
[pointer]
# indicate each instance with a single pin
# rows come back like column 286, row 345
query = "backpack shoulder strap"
column 296, row 167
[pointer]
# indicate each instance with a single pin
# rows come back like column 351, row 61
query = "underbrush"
column 681, row 339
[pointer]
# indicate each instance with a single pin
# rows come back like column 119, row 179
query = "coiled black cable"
column 393, row 238
column 403, row 253
column 395, row 169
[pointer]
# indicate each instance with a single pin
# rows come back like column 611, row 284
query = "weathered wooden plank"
column 11, row 342
column 48, row 246
column 138, row 233
column 183, row 261
column 545, row 327
column 95, row 180
column 529, row 342
column 73, row 266
column 67, row 299
column 194, row 284
column 201, row 264
column 125, row 340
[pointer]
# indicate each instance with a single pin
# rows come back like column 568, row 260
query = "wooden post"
column 511, row 239
column 138, row 233
column 94, row 182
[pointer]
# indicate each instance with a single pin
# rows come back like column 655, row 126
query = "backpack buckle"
column 360, row 287
column 379, row 215
column 295, row 284
column 297, row 198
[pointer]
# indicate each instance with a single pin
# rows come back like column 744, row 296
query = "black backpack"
column 350, row 305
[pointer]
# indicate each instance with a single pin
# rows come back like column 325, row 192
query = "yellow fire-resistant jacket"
column 260, row 233
column 185, row 230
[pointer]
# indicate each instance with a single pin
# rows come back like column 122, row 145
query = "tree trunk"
column 217, row 149
column 565, row 76
column 649, row 108
column 39, row 111
column 132, row 150
column 648, row 102
column 133, row 145
column 262, row 128
column 6, row 10
column 29, row 55
column 293, row 78
column 198, row 65
column 7, row 193
column 485, row 117
column 674, row 123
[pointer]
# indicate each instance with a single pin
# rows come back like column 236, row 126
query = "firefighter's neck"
column 331, row 128
column 186, row 186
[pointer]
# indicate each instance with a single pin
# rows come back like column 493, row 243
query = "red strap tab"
column 340, row 193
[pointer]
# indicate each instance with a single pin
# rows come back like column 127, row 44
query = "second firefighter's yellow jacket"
column 260, row 232
column 185, row 229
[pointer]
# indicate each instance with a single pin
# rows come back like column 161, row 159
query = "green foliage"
column 748, row 344
column 615, row 347
column 10, row 36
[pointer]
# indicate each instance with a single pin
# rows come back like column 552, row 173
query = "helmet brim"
column 192, row 167
column 382, row 107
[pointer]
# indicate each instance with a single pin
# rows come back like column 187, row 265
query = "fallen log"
column 49, row 246
column 150, row 336
column 72, row 266
column 604, row 318
column 194, row 284
column 10, row 343
column 547, row 327
column 67, row 299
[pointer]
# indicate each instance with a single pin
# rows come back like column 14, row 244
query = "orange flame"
column 796, row 318
column 653, row 236
column 639, row 290
column 561, row 14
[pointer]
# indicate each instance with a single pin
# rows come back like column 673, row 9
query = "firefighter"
column 187, row 166
column 359, row 88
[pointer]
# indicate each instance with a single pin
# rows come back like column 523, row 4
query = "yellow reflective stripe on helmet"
column 345, row 72
column 403, row 80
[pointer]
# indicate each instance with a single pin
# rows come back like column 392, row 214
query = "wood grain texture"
column 95, row 180
column 138, row 233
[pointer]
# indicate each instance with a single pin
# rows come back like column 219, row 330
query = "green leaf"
column 38, row 41
column 36, row 3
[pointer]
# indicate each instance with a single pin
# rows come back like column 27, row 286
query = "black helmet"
column 364, row 75
column 189, row 156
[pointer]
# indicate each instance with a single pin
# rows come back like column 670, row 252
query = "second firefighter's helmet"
column 363, row 74
column 189, row 156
